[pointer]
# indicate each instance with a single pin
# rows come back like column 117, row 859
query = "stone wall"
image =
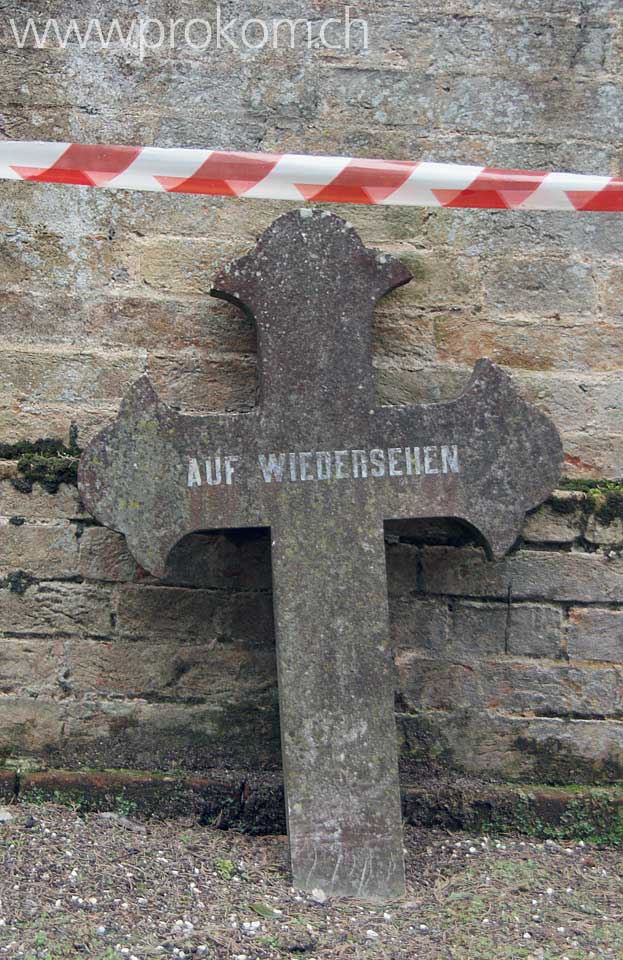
column 509, row 670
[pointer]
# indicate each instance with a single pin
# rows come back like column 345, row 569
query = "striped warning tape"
column 298, row 177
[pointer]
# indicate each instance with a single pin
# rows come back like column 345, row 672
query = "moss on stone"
column 556, row 766
column 603, row 498
column 48, row 461
column 596, row 816
column 564, row 505
column 50, row 472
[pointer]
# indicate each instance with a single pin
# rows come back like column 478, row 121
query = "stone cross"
column 322, row 465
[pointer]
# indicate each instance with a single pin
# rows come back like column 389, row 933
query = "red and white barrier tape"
column 296, row 177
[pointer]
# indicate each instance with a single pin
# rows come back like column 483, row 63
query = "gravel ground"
column 104, row 887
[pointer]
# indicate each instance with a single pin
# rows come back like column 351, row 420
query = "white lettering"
column 323, row 465
column 393, row 454
column 348, row 27
column 173, row 25
column 328, row 465
column 214, row 478
column 264, row 30
column 304, row 460
column 222, row 30
column 143, row 29
column 450, row 459
column 413, row 461
column 340, row 456
column 293, row 473
column 360, row 464
column 272, row 468
column 323, row 34
column 230, row 463
column 292, row 26
column 194, row 474
column 377, row 459
column 430, row 455
column 202, row 44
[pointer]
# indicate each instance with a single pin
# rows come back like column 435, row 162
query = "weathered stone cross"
column 323, row 466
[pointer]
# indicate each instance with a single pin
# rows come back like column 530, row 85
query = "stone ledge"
column 254, row 804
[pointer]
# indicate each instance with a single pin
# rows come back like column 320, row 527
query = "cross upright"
column 321, row 464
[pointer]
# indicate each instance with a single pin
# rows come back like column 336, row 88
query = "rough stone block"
column 32, row 667
column 53, row 420
column 605, row 534
column 67, row 377
column 520, row 749
column 477, row 628
column 195, row 383
column 595, row 634
column 167, row 736
column 140, row 322
column 610, row 291
column 29, row 726
column 565, row 577
column 402, row 568
column 593, row 403
column 541, row 286
column 560, row 520
column 210, row 673
column 194, row 615
column 55, row 609
column 496, row 105
column 39, row 504
column 440, row 278
column 535, row 630
column 44, row 550
column 531, row 343
column 178, row 266
column 421, row 624
column 511, row 686
column 402, row 332
column 105, row 556
column 598, row 455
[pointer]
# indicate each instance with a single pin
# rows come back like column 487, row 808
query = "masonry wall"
column 510, row 670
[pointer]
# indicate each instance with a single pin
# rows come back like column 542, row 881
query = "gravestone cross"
column 322, row 465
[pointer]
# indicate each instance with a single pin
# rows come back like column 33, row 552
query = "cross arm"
column 156, row 475
column 487, row 457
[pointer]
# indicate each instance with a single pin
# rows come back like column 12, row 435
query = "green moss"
column 596, row 816
column 50, row 472
column 555, row 765
column 48, row 461
column 564, row 505
column 604, row 498
column 590, row 486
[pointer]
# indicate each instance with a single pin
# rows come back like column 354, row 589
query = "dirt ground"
column 104, row 887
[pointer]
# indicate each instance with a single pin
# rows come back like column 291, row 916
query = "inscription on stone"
column 323, row 466
column 327, row 465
